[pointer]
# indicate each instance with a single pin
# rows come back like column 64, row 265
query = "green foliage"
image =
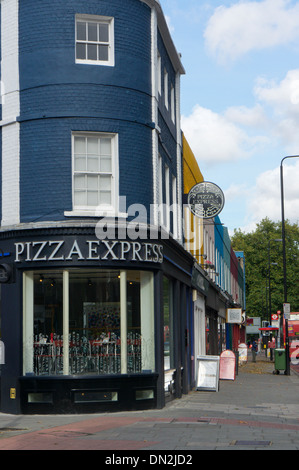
column 261, row 250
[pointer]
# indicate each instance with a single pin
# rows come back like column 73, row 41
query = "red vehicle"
column 293, row 327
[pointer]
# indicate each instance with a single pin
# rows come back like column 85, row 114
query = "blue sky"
column 240, row 100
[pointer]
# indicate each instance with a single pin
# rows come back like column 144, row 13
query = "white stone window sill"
column 96, row 213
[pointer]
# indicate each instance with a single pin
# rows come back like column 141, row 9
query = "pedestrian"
column 254, row 350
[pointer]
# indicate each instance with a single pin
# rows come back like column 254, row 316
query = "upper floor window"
column 94, row 40
column 160, row 176
column 172, row 103
column 159, row 71
column 95, row 171
column 174, row 207
column 166, row 88
column 167, row 198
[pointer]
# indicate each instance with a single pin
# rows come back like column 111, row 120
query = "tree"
column 263, row 261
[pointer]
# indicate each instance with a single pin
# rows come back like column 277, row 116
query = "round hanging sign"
column 206, row 200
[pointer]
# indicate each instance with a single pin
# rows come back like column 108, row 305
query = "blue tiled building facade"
column 59, row 96
column 97, row 289
column 91, row 140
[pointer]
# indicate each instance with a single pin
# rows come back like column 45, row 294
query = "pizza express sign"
column 206, row 200
column 87, row 250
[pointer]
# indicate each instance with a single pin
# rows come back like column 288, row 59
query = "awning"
column 269, row 328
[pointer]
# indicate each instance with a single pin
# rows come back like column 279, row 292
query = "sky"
column 240, row 101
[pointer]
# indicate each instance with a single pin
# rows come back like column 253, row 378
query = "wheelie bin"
column 280, row 362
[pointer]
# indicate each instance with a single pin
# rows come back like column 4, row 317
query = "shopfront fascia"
column 80, row 322
column 93, row 325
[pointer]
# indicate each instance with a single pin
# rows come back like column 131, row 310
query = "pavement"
column 256, row 411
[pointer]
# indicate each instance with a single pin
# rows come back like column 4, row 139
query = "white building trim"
column 10, row 112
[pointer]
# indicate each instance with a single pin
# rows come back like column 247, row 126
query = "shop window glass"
column 168, row 324
column 88, row 322
column 221, row 335
column 133, row 325
column 207, row 335
column 2, row 347
column 94, row 322
column 48, row 324
column 0, row 311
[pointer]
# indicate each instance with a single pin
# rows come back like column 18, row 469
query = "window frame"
column 172, row 102
column 97, row 20
column 175, row 230
column 166, row 97
column 159, row 73
column 146, row 312
column 102, row 208
column 167, row 198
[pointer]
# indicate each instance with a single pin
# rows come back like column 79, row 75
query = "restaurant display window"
column 168, row 324
column 88, row 322
column 221, row 335
column 207, row 335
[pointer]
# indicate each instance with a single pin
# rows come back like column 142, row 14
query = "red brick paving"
column 75, row 436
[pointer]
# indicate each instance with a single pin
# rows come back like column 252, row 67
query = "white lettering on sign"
column 233, row 315
column 104, row 250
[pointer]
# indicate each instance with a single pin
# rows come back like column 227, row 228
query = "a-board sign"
column 227, row 365
column 208, row 373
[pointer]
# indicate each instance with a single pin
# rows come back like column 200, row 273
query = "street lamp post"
column 269, row 271
column 284, row 262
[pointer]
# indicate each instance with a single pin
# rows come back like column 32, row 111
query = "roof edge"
column 165, row 33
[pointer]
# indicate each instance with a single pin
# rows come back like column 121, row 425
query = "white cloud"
column 282, row 99
column 265, row 200
column 234, row 31
column 235, row 192
column 218, row 138
column 283, row 96
column 241, row 132
column 250, row 117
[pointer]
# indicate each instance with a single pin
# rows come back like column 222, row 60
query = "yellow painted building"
column 193, row 226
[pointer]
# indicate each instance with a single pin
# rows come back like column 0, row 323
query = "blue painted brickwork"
column 0, row 131
column 168, row 142
column 219, row 247
column 94, row 100
column 164, row 113
column 46, row 166
column 168, row 129
column 1, row 167
column 47, row 43
column 59, row 96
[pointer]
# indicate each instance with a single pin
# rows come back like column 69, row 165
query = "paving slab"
column 256, row 411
